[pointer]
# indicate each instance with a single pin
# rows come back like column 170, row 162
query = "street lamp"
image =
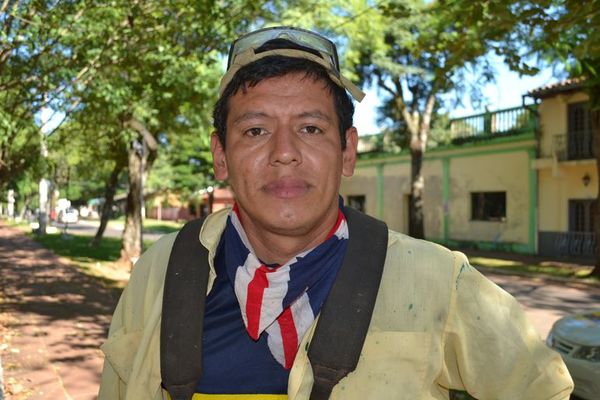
column 211, row 198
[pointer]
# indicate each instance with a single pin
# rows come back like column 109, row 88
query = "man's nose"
column 285, row 147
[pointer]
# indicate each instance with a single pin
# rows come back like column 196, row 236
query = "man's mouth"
column 287, row 188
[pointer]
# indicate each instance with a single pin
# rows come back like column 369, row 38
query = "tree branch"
column 4, row 6
column 140, row 128
column 385, row 87
column 427, row 114
column 401, row 104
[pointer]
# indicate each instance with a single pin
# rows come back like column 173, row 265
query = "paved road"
column 89, row 228
column 546, row 301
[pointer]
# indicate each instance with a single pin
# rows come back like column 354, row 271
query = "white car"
column 577, row 339
column 68, row 216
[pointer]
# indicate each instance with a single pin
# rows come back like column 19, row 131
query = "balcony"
column 574, row 245
column 576, row 145
column 510, row 121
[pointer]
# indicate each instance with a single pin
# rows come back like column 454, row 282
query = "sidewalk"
column 52, row 320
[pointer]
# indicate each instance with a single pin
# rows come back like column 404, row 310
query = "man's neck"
column 277, row 248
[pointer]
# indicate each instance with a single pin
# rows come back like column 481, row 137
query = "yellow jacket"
column 438, row 324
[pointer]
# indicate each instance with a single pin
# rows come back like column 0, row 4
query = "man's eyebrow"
column 315, row 114
column 249, row 115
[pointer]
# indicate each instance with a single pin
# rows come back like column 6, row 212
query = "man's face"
column 283, row 156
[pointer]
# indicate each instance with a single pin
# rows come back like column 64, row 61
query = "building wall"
column 396, row 188
column 537, row 183
column 560, row 180
column 385, row 183
column 490, row 173
column 553, row 119
column 392, row 207
column 362, row 183
column 433, row 199
column 559, row 184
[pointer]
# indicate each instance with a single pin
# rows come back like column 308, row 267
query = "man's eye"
column 311, row 130
column 255, row 132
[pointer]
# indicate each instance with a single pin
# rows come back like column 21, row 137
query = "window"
column 488, row 206
column 581, row 215
column 579, row 131
column 357, row 202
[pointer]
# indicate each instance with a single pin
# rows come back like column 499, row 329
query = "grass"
column 546, row 268
column 151, row 225
column 97, row 258
column 97, row 261
column 22, row 225
column 156, row 226
column 78, row 248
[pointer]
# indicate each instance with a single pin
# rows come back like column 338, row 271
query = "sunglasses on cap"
column 308, row 45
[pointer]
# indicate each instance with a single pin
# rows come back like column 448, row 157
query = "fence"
column 575, row 145
column 578, row 245
column 507, row 121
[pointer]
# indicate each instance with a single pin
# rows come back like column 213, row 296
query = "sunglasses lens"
column 298, row 36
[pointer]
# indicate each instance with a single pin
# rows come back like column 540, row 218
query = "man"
column 283, row 140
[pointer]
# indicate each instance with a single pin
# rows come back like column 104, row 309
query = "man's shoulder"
column 422, row 258
column 153, row 262
column 418, row 247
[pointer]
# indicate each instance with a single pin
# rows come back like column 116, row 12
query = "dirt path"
column 52, row 320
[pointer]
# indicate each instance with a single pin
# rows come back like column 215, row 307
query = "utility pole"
column 44, row 185
column 44, row 189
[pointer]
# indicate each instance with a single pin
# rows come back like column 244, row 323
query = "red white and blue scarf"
column 282, row 300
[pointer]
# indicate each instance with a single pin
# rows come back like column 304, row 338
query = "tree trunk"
column 416, row 224
column 131, row 246
column 595, row 116
column 141, row 154
column 109, row 199
column 419, row 134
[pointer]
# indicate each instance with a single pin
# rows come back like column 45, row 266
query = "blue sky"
column 506, row 92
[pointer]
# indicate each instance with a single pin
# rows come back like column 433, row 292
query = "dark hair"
column 276, row 66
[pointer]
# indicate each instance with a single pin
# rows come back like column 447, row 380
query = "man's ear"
column 219, row 161
column 349, row 153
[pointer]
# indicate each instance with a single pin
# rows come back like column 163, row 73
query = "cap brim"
column 250, row 56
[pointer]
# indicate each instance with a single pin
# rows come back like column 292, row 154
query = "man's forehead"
column 304, row 91
column 294, row 80
column 301, row 114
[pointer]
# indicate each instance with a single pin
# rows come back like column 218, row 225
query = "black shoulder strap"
column 331, row 359
column 345, row 317
column 182, row 320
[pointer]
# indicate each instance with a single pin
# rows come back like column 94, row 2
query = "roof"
column 558, row 87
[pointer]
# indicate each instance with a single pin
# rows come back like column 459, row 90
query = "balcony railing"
column 559, row 147
column 579, row 245
column 502, row 122
column 575, row 145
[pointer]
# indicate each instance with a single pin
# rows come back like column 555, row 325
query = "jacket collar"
column 213, row 228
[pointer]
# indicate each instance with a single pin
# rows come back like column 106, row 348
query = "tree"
column 415, row 51
column 35, row 70
column 155, row 66
column 183, row 165
column 77, row 148
column 567, row 32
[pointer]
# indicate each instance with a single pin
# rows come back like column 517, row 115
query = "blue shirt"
column 233, row 363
